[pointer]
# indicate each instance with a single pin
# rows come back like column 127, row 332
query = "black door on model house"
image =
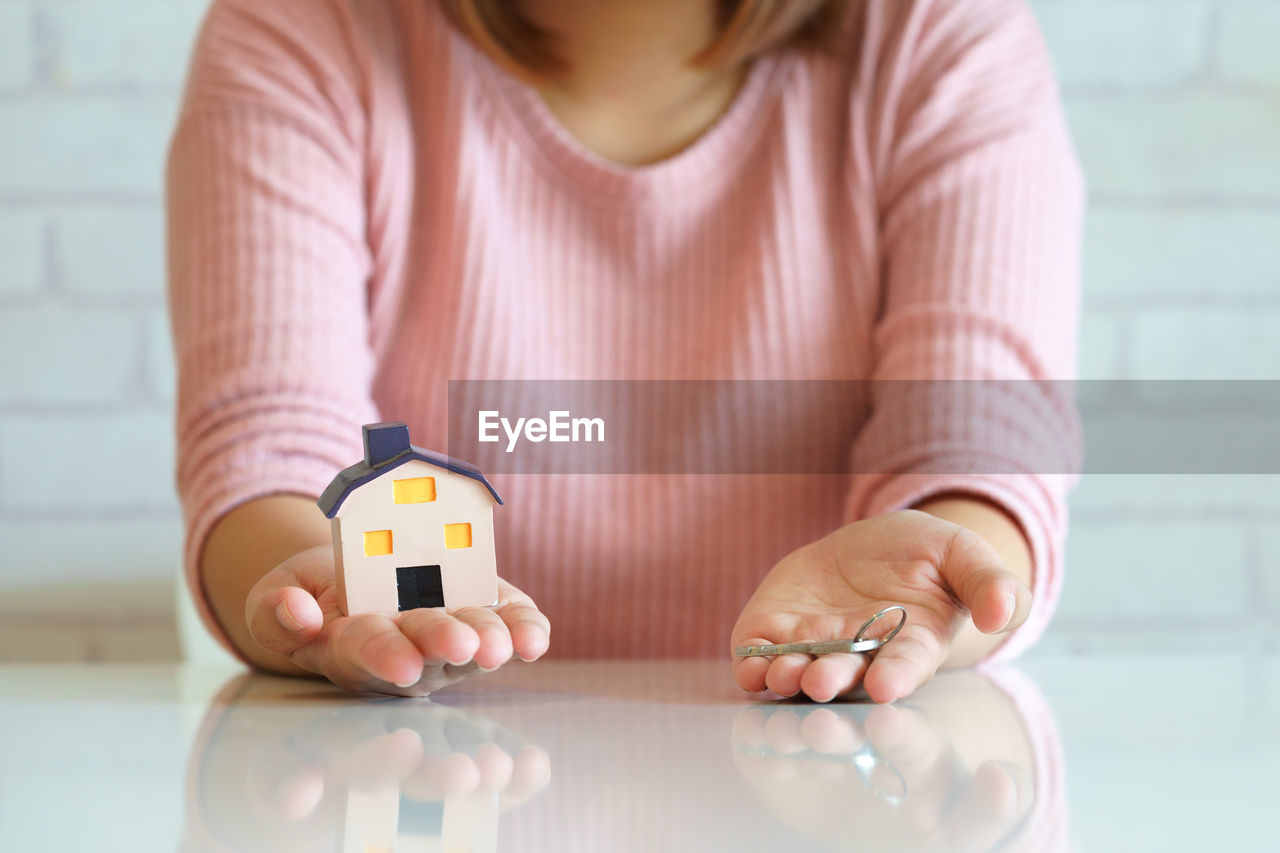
column 419, row 586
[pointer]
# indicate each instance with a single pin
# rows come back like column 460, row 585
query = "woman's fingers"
column 282, row 617
column 424, row 649
column 750, row 672
column 996, row 600
column 904, row 663
column 495, row 640
column 822, row 678
column 366, row 646
column 785, row 672
column 830, row 676
column 529, row 628
column 440, row 637
column 397, row 650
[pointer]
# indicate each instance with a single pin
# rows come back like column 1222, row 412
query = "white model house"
column 411, row 528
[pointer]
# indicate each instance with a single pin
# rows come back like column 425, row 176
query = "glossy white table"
column 1087, row 754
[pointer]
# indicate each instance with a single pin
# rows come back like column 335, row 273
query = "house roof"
column 387, row 447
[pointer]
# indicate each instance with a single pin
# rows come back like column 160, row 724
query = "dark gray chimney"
column 384, row 442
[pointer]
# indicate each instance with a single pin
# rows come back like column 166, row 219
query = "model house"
column 411, row 528
column 383, row 820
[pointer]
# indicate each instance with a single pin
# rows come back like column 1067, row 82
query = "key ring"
column 859, row 643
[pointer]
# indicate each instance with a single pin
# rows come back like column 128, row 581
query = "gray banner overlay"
column 866, row 427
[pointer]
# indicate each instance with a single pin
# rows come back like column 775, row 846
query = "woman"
column 368, row 199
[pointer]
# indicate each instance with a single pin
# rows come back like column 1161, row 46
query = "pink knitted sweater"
column 363, row 207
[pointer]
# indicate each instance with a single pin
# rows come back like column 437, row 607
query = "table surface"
column 1081, row 753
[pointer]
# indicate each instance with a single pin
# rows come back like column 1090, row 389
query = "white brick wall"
column 111, row 252
column 1246, row 45
column 56, row 355
column 88, row 520
column 95, row 144
column 53, row 549
column 1168, row 145
column 1177, row 252
column 1176, row 497
column 161, row 374
column 22, row 246
column 1104, row 340
column 107, row 462
column 115, row 43
column 1137, row 571
column 17, row 29
column 1110, row 43
column 1175, row 107
column 1269, row 574
column 1207, row 343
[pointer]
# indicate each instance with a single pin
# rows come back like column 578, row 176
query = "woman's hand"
column 293, row 611
column 942, row 573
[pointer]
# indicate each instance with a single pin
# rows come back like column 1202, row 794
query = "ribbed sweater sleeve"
column 267, row 264
column 981, row 202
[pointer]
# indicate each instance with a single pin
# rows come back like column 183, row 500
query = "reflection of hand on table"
column 428, row 752
column 295, row 773
column 952, row 771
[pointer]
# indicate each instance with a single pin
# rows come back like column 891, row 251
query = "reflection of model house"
column 386, row 821
column 411, row 528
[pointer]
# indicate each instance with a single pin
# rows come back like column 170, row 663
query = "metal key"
column 855, row 646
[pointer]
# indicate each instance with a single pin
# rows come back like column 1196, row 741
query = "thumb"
column 995, row 598
column 282, row 617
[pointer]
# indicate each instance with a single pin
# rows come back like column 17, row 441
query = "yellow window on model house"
column 419, row 490
column 457, row 535
column 377, row 543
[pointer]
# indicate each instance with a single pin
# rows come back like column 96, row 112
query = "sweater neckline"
column 704, row 161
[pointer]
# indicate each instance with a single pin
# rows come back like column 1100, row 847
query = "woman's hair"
column 747, row 27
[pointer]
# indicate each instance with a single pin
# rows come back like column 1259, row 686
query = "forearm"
column 247, row 543
column 1004, row 534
